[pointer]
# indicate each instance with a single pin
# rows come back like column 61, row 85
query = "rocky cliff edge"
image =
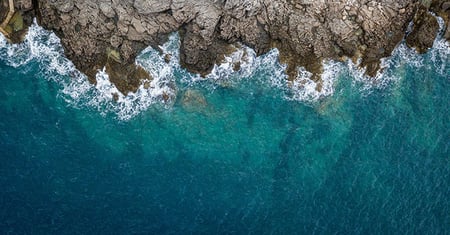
column 111, row 33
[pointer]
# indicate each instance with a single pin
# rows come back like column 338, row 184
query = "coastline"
column 110, row 34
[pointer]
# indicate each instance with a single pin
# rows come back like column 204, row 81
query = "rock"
column 447, row 33
column 167, row 58
column 193, row 100
column 126, row 77
column 114, row 55
column 94, row 32
column 424, row 32
column 23, row 5
column 63, row 6
column 151, row 6
column 426, row 3
column 116, row 41
column 106, row 9
column 445, row 6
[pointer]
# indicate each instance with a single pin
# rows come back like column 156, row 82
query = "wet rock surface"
column 305, row 32
column 15, row 18
column 425, row 25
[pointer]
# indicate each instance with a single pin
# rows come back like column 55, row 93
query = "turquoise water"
column 237, row 153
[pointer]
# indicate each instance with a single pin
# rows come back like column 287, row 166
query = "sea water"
column 242, row 152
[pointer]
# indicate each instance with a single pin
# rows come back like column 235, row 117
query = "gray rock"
column 63, row 6
column 445, row 6
column 106, row 9
column 23, row 5
column 305, row 32
column 151, row 6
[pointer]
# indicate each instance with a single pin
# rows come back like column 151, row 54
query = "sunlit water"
column 237, row 152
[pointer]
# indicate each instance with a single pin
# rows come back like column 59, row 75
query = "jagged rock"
column 151, row 6
column 424, row 31
column 305, row 32
column 447, row 33
column 63, row 6
column 23, row 5
column 106, row 9
column 445, row 6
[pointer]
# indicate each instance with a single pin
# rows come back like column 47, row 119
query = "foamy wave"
column 168, row 77
column 382, row 79
column 130, row 105
column 3, row 41
column 307, row 90
column 106, row 98
column 441, row 50
column 154, row 62
column 267, row 70
column 268, row 67
column 392, row 68
column 235, row 66
column 45, row 48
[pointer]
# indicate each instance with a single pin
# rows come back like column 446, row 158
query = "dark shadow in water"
column 246, row 157
column 283, row 197
column 253, row 107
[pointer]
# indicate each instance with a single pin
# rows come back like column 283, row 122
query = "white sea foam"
column 223, row 74
column 45, row 48
column 41, row 46
column 440, row 52
column 266, row 69
column 244, row 57
column 309, row 90
column 392, row 68
column 106, row 97
column 168, row 77
column 3, row 41
column 128, row 106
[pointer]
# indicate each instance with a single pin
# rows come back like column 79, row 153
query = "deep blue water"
column 241, row 157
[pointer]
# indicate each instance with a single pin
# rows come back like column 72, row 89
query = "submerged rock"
column 305, row 32
column 193, row 100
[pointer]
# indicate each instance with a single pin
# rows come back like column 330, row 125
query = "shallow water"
column 237, row 153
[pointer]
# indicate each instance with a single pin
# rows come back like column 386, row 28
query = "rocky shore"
column 110, row 34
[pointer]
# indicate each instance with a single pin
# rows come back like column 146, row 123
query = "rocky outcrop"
column 110, row 33
column 442, row 8
column 425, row 25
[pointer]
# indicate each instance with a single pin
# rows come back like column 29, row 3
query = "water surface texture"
column 237, row 153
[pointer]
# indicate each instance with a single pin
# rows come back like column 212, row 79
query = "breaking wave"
column 169, row 78
column 45, row 48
